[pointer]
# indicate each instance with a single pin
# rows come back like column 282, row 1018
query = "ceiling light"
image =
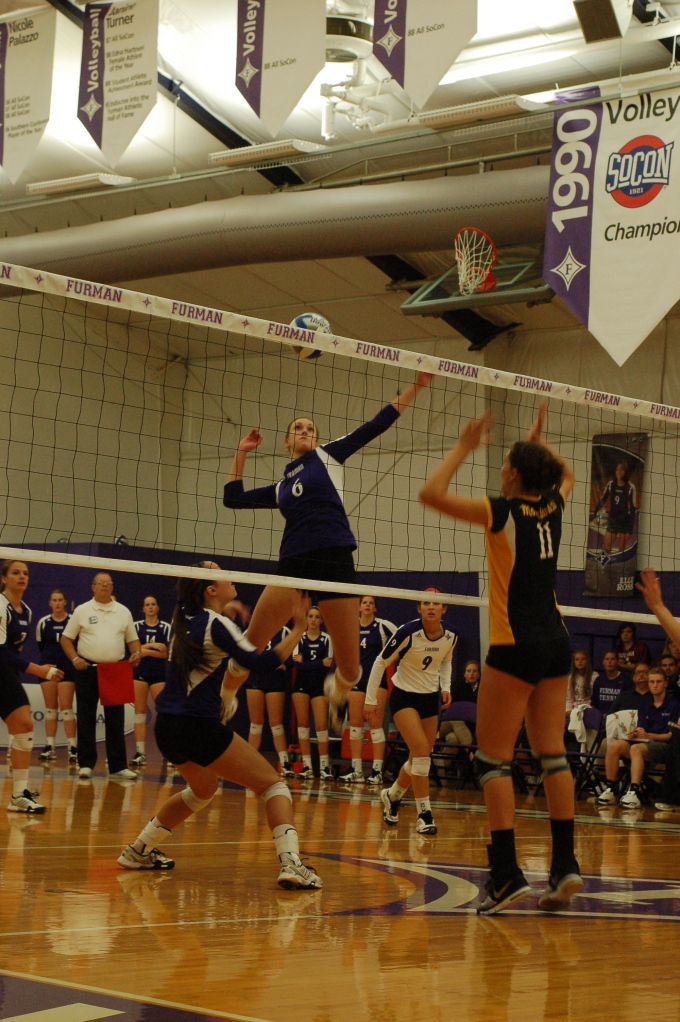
column 80, row 183
column 469, row 113
column 249, row 156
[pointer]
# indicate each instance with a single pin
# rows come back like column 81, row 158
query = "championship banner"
column 118, row 72
column 417, row 41
column 616, row 479
column 280, row 49
column 613, row 229
column 26, row 61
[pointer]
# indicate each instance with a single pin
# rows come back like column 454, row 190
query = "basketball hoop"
column 475, row 258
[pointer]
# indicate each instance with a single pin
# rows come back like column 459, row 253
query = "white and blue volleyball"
column 311, row 322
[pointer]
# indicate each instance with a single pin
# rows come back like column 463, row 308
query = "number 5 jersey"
column 522, row 543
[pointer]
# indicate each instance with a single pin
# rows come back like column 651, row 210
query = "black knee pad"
column 551, row 764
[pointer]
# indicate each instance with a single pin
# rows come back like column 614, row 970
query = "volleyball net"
column 121, row 412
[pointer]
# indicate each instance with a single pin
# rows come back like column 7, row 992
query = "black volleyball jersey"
column 522, row 542
column 48, row 635
column 152, row 668
column 313, row 653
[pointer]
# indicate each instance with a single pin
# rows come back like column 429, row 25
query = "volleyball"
column 315, row 323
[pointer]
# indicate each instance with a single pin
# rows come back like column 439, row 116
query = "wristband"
column 51, row 673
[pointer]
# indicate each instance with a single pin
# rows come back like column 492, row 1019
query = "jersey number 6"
column 545, row 538
column 297, row 489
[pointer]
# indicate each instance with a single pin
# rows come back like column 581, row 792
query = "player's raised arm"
column 535, row 436
column 650, row 587
column 435, row 493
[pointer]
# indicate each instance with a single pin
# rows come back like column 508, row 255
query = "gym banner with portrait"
column 616, row 481
column 612, row 239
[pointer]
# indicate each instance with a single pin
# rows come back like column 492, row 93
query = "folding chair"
column 458, row 753
column 588, row 765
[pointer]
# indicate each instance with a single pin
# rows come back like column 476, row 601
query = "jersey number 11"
column 545, row 538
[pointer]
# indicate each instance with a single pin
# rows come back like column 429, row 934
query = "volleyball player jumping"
column 190, row 733
column 525, row 675
column 317, row 540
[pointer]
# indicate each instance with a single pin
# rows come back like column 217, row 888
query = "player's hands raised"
column 477, row 433
column 650, row 587
column 250, row 442
column 424, row 380
column 535, row 434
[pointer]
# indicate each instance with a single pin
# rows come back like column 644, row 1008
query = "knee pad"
column 50, row 714
column 140, row 718
column 407, row 767
column 551, row 765
column 256, row 729
column 420, row 766
column 278, row 731
column 24, row 742
column 68, row 714
column 487, row 768
column 356, row 734
column 194, row 802
column 303, row 734
column 322, row 736
column 377, row 735
column 277, row 789
column 237, row 671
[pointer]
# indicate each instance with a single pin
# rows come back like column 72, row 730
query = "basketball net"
column 475, row 258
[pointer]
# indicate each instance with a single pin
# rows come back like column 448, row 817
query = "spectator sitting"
column 629, row 650
column 672, row 648
column 648, row 742
column 610, row 684
column 631, row 698
column 465, row 691
column 669, row 666
column 580, row 681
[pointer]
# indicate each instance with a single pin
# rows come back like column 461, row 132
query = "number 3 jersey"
column 424, row 663
column 522, row 543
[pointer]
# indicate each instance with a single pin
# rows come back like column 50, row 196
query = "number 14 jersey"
column 522, row 543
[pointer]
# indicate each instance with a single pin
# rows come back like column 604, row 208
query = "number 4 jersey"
column 522, row 544
column 424, row 663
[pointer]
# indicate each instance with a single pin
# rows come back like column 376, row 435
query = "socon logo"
column 638, row 172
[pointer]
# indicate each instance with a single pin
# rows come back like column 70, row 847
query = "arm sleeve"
column 499, row 509
column 400, row 639
column 340, row 450
column 236, row 496
column 330, row 647
column 445, row 668
column 8, row 654
column 237, row 646
column 39, row 633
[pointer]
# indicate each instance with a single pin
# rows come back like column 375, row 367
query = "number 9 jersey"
column 424, row 664
column 522, row 543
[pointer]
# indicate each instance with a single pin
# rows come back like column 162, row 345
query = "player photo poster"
column 616, row 481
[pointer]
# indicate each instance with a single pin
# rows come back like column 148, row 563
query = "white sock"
column 377, row 765
column 324, row 762
column 283, row 758
column 423, row 805
column 20, row 781
column 152, row 836
column 141, row 746
column 50, row 742
column 357, row 766
column 307, row 760
column 286, row 842
column 396, row 792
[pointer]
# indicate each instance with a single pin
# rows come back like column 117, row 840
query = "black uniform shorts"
column 199, row 740
column 426, row 704
column 310, row 683
column 334, row 564
column 12, row 693
column 531, row 662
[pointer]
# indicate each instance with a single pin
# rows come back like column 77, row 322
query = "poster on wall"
column 280, row 49
column 417, row 41
column 118, row 72
column 26, row 61
column 612, row 239
column 616, row 480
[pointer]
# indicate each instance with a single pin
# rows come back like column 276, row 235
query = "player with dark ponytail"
column 529, row 658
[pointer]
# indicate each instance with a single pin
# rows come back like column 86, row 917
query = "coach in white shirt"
column 102, row 628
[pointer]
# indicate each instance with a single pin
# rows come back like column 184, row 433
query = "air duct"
column 380, row 219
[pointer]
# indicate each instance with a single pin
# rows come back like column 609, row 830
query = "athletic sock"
column 562, row 845
column 423, row 805
column 153, row 835
column 377, row 765
column 502, row 854
column 50, row 742
column 396, row 793
column 19, row 782
column 286, row 843
column 307, row 760
column 324, row 762
column 283, row 758
column 141, row 747
column 357, row 766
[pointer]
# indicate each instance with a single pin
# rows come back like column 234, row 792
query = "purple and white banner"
column 613, row 229
column 118, row 72
column 26, row 61
column 280, row 49
column 417, row 41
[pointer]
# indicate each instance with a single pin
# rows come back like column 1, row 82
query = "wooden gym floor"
column 392, row 936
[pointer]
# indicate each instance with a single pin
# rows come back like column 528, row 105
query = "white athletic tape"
column 140, row 718
column 303, row 733
column 194, row 802
column 50, row 714
column 23, row 743
column 256, row 729
column 377, row 735
column 51, row 673
column 277, row 789
column 278, row 731
column 356, row 734
column 421, row 766
column 322, row 736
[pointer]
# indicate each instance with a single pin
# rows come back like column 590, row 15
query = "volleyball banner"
column 613, row 227
column 417, row 41
column 616, row 478
column 26, row 61
column 118, row 72
column 280, row 49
